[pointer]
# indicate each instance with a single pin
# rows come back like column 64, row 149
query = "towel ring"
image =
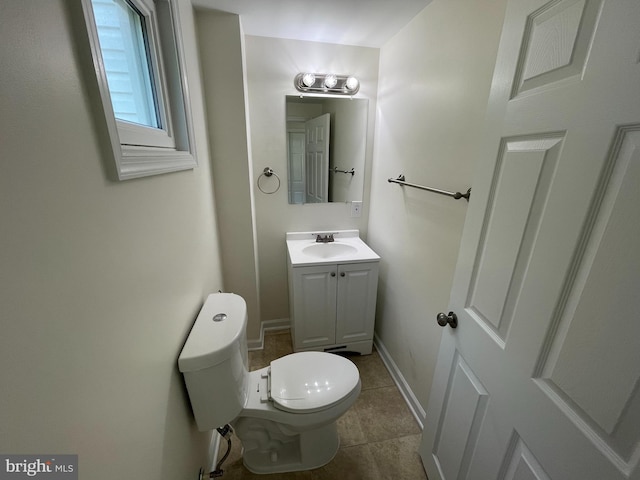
column 267, row 172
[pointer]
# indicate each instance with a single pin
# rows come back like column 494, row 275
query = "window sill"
column 136, row 162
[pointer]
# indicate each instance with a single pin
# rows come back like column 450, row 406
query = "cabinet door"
column 314, row 305
column 356, row 305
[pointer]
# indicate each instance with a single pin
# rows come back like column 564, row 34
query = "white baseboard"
column 406, row 392
column 267, row 326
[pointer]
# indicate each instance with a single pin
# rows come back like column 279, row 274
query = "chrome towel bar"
column 337, row 170
column 457, row 195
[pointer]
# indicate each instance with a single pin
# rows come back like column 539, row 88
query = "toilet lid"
column 311, row 381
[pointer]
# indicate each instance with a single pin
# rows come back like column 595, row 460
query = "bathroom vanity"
column 333, row 282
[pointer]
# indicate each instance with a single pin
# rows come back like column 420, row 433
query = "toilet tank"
column 214, row 361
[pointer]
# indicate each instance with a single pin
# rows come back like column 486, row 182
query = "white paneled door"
column 317, row 164
column 295, row 153
column 540, row 380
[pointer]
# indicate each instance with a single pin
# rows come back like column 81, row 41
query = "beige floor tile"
column 350, row 463
column 398, row 459
column 232, row 466
column 276, row 344
column 247, row 475
column 373, row 373
column 384, row 414
column 350, row 430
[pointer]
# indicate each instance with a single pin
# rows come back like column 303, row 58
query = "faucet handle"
column 324, row 238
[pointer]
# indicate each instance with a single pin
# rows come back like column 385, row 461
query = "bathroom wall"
column 433, row 87
column 221, row 49
column 271, row 66
column 346, row 154
column 100, row 280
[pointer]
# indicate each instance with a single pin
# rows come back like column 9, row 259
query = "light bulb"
column 352, row 83
column 308, row 79
column 330, row 80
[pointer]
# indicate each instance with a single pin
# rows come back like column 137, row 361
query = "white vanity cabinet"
column 333, row 283
column 332, row 306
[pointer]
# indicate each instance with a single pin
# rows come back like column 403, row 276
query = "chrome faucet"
column 324, row 239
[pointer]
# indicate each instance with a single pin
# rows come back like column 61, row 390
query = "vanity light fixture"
column 326, row 83
column 308, row 79
column 330, row 80
column 352, row 83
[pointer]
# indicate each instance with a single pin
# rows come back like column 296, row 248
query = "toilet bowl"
column 284, row 414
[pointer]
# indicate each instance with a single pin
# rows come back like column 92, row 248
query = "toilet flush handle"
column 444, row 319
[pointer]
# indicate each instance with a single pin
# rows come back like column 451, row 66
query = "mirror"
column 326, row 145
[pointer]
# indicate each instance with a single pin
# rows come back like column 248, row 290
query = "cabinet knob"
column 333, row 274
column 342, row 274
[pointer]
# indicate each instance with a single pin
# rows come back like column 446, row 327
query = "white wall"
column 346, row 153
column 271, row 66
column 100, row 280
column 433, row 88
column 220, row 41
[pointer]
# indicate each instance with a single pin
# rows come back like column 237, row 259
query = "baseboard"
column 266, row 326
column 406, row 392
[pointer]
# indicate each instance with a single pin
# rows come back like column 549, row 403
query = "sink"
column 329, row 250
column 347, row 248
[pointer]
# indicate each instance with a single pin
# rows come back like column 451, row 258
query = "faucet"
column 324, row 239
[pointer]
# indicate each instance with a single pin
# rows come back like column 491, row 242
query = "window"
column 137, row 57
column 127, row 61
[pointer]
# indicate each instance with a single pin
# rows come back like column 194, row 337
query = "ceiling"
column 367, row 23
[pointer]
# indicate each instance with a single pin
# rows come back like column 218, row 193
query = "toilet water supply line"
column 225, row 432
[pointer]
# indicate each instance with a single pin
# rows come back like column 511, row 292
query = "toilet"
column 284, row 414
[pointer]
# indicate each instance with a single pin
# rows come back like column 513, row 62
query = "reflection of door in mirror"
column 317, row 159
column 295, row 146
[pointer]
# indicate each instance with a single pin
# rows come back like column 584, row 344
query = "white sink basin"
column 303, row 250
column 329, row 250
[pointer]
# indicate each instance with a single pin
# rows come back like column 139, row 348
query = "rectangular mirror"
column 326, row 145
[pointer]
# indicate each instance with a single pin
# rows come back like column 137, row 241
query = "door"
column 540, row 380
column 356, row 304
column 314, row 306
column 317, row 165
column 295, row 152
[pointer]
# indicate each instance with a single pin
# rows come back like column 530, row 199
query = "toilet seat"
column 308, row 382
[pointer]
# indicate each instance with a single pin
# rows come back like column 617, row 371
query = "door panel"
column 317, row 163
column 296, row 156
column 524, row 171
column 522, row 464
column 573, row 369
column 466, row 401
column 556, row 43
column 546, row 285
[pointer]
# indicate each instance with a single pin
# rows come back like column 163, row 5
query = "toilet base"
column 269, row 447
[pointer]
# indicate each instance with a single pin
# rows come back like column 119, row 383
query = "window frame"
column 140, row 150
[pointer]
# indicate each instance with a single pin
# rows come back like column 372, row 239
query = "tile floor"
column 379, row 437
